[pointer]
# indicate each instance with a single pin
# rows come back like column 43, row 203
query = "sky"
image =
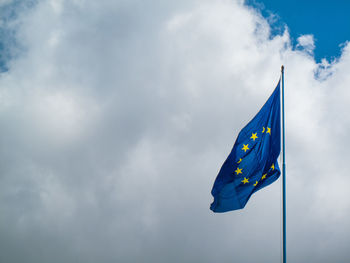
column 327, row 21
column 116, row 116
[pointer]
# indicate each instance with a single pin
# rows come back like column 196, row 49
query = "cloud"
column 307, row 43
column 5, row 2
column 117, row 116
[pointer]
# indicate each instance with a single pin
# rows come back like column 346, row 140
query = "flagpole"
column 283, row 174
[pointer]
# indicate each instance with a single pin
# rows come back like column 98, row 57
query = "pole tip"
column 282, row 68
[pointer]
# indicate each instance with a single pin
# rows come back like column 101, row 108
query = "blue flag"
column 252, row 163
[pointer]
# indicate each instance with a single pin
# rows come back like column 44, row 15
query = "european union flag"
column 252, row 163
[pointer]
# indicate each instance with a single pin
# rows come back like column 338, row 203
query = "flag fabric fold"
column 252, row 163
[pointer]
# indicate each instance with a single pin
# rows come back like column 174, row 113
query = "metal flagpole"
column 283, row 174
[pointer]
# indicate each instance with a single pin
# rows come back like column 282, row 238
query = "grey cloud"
column 118, row 115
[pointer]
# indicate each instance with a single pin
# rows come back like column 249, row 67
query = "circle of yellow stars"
column 245, row 148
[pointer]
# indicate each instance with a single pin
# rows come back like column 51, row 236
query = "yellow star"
column 254, row 136
column 273, row 167
column 245, row 180
column 240, row 160
column 263, row 130
column 263, row 177
column 238, row 171
column 256, row 183
column 245, row 147
column 268, row 130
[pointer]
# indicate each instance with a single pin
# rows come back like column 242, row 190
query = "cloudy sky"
column 116, row 116
column 326, row 20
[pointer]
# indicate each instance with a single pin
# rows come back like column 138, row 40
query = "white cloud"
column 307, row 43
column 5, row 2
column 117, row 116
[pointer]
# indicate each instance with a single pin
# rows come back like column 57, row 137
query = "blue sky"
column 328, row 21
